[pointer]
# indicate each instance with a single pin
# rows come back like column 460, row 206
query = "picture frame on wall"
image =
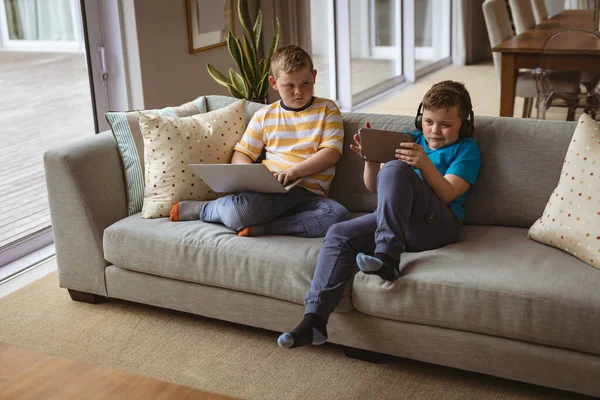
column 209, row 21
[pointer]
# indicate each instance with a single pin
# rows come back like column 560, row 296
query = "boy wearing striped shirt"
column 303, row 138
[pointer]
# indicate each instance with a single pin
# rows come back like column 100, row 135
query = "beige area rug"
column 226, row 358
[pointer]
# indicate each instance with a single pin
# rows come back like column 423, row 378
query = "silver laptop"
column 235, row 178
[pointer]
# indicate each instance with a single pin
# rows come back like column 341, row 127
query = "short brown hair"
column 448, row 94
column 290, row 59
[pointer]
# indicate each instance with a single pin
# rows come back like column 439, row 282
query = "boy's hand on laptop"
column 413, row 154
column 286, row 176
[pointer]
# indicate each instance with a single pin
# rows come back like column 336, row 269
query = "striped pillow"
column 126, row 130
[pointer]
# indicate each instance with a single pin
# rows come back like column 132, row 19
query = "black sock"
column 390, row 266
column 312, row 330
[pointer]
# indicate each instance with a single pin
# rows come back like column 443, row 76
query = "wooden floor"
column 27, row 374
column 45, row 101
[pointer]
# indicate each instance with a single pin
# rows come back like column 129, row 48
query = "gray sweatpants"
column 298, row 212
column 409, row 217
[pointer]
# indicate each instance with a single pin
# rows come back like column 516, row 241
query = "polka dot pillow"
column 571, row 220
column 172, row 143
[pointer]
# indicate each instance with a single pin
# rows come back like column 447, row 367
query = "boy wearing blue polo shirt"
column 420, row 206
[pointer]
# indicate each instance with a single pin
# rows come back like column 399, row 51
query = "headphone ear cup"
column 465, row 129
column 419, row 118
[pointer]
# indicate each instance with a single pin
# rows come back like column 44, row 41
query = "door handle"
column 103, row 69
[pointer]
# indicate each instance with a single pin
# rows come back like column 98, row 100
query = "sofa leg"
column 84, row 297
column 366, row 355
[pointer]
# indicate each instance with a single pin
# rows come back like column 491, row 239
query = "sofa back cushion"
column 214, row 102
column 348, row 187
column 521, row 160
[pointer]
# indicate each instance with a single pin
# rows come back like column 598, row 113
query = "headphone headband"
column 467, row 126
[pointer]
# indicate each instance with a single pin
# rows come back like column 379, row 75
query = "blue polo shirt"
column 460, row 158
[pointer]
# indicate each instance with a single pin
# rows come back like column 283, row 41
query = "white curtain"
column 294, row 21
column 459, row 48
column 469, row 33
column 40, row 20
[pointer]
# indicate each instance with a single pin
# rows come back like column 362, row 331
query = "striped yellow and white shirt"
column 290, row 137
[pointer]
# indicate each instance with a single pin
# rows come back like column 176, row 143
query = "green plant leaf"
column 261, row 67
column 244, row 16
column 238, row 82
column 249, row 71
column 235, row 50
column 220, row 78
column 250, row 56
column 245, row 72
column 235, row 93
column 263, row 87
column 274, row 43
column 257, row 28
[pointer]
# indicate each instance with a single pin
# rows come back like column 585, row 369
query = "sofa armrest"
column 86, row 192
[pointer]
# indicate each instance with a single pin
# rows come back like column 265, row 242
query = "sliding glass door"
column 431, row 34
column 374, row 44
column 365, row 47
column 46, row 101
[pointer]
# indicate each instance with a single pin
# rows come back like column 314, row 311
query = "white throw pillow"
column 172, row 143
column 571, row 220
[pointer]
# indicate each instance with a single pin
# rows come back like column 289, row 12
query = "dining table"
column 524, row 51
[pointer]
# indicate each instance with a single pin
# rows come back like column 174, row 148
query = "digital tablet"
column 380, row 146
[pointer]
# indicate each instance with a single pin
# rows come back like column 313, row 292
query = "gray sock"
column 373, row 265
column 190, row 209
column 368, row 263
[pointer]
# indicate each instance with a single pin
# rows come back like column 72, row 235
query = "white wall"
column 170, row 75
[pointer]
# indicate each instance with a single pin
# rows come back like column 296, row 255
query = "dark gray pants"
column 409, row 217
column 298, row 212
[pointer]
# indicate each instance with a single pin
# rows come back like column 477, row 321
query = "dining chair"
column 551, row 88
column 522, row 15
column 499, row 29
column 540, row 12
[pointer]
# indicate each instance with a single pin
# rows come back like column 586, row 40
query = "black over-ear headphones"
column 466, row 128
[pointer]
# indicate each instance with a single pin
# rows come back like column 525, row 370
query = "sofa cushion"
column 348, row 187
column 214, row 102
column 512, row 187
column 521, row 161
column 172, row 143
column 494, row 281
column 571, row 219
column 275, row 266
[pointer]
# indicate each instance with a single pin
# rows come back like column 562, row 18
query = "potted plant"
column 252, row 82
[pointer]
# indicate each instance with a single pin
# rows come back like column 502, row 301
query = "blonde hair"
column 290, row 59
column 448, row 94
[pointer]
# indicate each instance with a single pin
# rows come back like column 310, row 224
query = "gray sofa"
column 495, row 303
